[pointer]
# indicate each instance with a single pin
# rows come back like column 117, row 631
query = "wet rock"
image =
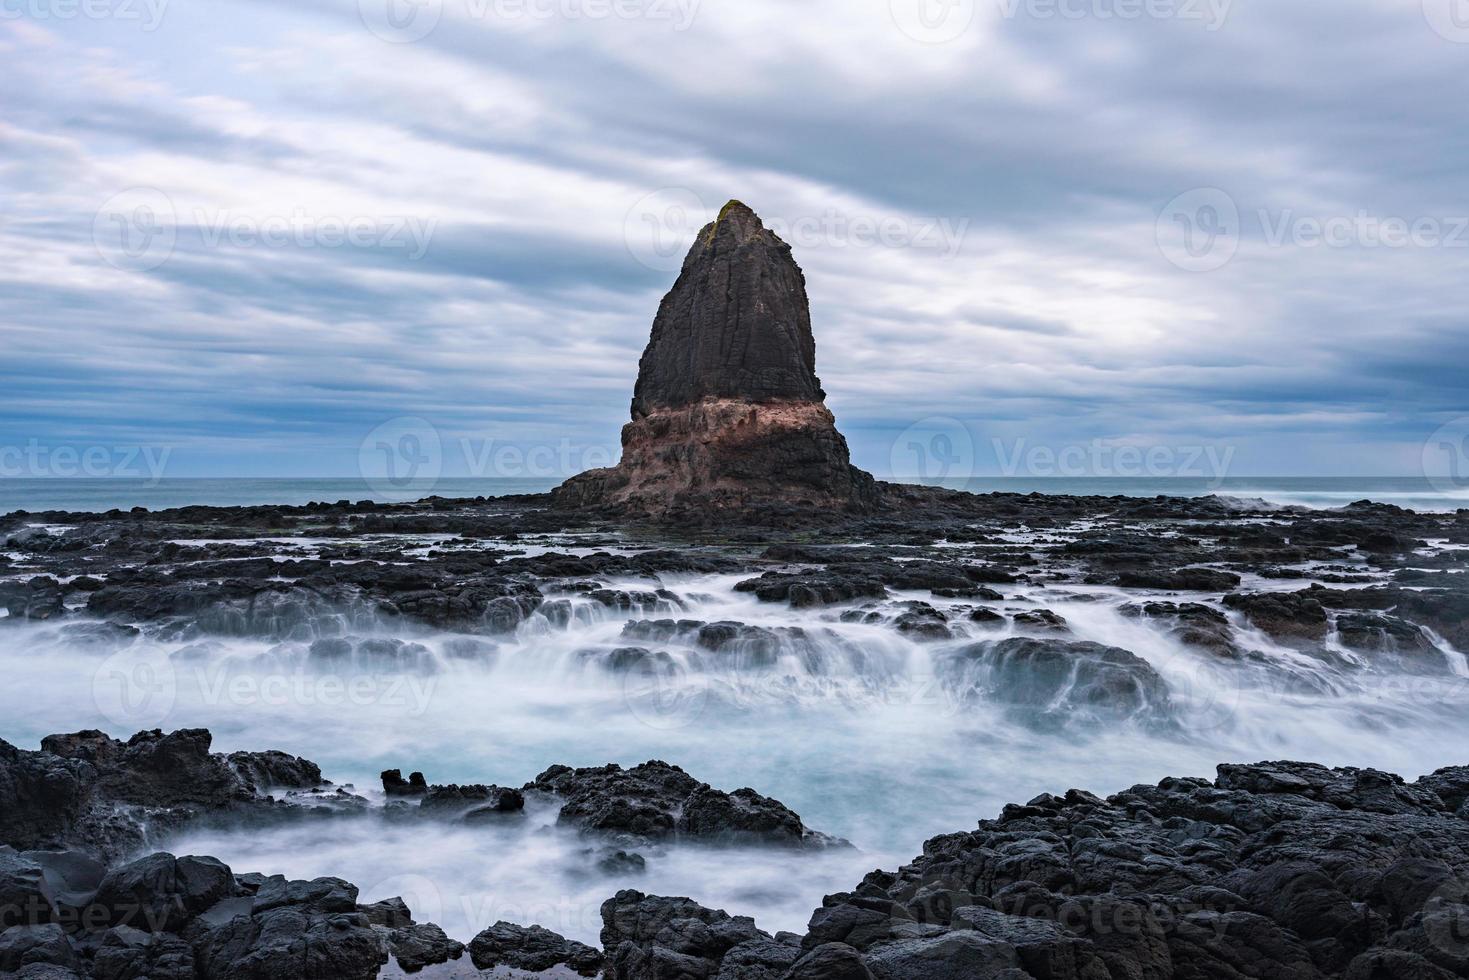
column 161, row 893
column 418, row 946
column 625, row 660
column 474, row 803
column 1450, row 784
column 635, row 602
column 618, row 862
column 1054, row 684
column 25, row 898
column 759, row 959
column 38, row 598
column 1180, row 580
column 1042, row 620
column 393, row 913
column 1391, row 636
column 125, row 953
column 657, row 801
column 806, row 590
column 395, row 785
column 531, row 948
column 291, row 939
column 371, row 655
column 99, row 636
column 1279, row 869
column 35, row 946
column 830, row 961
column 91, row 791
column 1190, row 623
column 1290, row 618
column 987, row 618
column 648, row 937
column 272, row 769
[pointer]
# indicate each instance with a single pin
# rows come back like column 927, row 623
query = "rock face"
column 106, row 796
column 728, row 411
column 1273, row 871
column 657, row 801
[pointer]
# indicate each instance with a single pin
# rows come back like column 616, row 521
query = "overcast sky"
column 254, row 233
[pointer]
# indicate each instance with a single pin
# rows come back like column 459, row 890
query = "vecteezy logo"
column 136, row 230
column 400, row 21
column 1448, row 18
column 1199, row 231
column 135, row 688
column 1446, row 457
column 934, row 450
column 660, row 227
column 932, row 21
column 402, row 458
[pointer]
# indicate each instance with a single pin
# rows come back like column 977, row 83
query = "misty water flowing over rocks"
column 733, row 709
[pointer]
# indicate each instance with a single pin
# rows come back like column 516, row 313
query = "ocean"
column 100, row 494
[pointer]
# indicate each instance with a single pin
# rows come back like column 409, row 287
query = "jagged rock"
column 656, row 801
column 1180, row 580
column 1042, row 620
column 727, row 412
column 125, row 953
column 276, row 770
column 649, row 937
column 88, row 790
column 531, row 948
column 34, row 946
column 1291, row 618
column 294, row 929
column 390, row 912
column 38, row 598
column 161, row 893
column 418, row 946
column 395, row 785
column 472, row 802
column 813, row 589
column 1191, row 623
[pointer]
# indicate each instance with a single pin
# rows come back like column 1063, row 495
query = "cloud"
column 979, row 221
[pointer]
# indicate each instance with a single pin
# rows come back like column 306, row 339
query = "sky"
column 1041, row 237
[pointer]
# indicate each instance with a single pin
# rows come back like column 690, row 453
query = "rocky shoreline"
column 1275, row 870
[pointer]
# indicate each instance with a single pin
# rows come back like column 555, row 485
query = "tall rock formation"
column 728, row 412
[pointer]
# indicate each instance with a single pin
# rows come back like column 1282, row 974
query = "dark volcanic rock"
column 1181, row 580
column 648, row 937
column 418, row 946
column 1275, row 871
column 395, row 785
column 161, row 893
column 1192, row 623
column 37, row 598
column 813, row 589
column 735, row 325
column 276, row 770
column 88, row 790
column 727, row 411
column 531, row 948
column 1054, row 684
column 656, row 801
column 1293, row 618
column 474, row 802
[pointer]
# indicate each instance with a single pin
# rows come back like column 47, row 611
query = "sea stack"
column 728, row 413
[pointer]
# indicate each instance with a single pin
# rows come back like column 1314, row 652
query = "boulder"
column 531, row 948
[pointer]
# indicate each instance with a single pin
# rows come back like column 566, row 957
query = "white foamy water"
column 859, row 729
